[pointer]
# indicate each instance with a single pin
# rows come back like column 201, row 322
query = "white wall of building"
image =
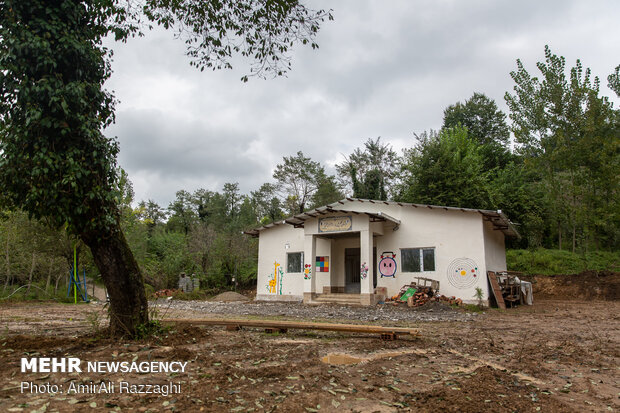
column 272, row 248
column 494, row 248
column 454, row 235
column 462, row 241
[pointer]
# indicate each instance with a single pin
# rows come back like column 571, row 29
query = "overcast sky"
column 384, row 68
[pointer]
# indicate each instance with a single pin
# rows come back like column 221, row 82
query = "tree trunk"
column 49, row 275
column 8, row 262
column 31, row 272
column 123, row 280
column 560, row 236
column 60, row 275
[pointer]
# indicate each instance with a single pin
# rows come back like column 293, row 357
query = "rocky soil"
column 348, row 314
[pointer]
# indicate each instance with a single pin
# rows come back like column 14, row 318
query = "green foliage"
column 484, row 121
column 267, row 204
column 191, row 296
column 515, row 190
column 472, row 308
column 167, row 256
column 445, row 169
column 55, row 161
column 264, row 30
column 570, row 136
column 202, row 237
column 328, row 192
column 548, row 262
column 298, row 179
column 486, row 124
column 371, row 187
column 479, row 295
column 150, row 329
column 371, row 171
column 614, row 81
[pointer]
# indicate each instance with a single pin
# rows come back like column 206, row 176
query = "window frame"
column 301, row 263
column 420, row 260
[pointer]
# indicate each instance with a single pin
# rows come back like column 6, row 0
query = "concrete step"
column 341, row 299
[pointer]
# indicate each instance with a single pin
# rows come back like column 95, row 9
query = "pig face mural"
column 387, row 265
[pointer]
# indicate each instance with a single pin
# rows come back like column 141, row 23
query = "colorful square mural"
column 322, row 264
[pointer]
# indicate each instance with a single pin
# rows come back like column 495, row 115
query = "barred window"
column 417, row 259
column 295, row 262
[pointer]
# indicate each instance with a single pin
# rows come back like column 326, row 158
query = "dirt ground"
column 555, row 356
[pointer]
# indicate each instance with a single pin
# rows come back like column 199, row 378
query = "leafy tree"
column 328, row 191
column 55, row 161
column 151, row 214
column 202, row 200
column 32, row 252
column 356, row 169
column 614, row 81
column 266, row 204
column 445, row 169
column 569, row 135
column 232, row 200
column 486, row 124
column 371, row 187
column 182, row 212
column 298, row 178
column 516, row 191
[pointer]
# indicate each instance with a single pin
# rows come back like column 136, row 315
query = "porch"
column 352, row 275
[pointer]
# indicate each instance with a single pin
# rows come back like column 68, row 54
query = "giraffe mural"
column 275, row 282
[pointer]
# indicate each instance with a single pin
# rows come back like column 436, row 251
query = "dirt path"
column 555, row 356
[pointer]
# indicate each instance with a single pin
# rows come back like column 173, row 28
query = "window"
column 295, row 262
column 417, row 259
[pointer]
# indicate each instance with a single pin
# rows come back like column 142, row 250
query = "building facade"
column 355, row 245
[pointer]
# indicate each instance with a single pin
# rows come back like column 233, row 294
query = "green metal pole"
column 75, row 273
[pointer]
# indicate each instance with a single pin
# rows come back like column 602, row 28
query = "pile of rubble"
column 415, row 295
column 164, row 293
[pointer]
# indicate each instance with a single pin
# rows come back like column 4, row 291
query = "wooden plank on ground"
column 497, row 291
column 351, row 328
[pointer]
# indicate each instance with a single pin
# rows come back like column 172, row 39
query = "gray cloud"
column 383, row 69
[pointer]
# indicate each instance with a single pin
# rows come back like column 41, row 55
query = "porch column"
column 333, row 282
column 309, row 259
column 367, row 268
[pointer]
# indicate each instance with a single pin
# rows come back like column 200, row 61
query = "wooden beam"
column 349, row 328
column 497, row 291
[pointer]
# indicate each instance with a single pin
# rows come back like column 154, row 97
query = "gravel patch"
column 230, row 296
column 349, row 314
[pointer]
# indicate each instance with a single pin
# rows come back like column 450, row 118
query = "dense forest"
column 552, row 164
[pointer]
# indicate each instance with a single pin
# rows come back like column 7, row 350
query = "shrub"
column 547, row 261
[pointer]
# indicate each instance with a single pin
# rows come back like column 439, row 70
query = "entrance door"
column 352, row 270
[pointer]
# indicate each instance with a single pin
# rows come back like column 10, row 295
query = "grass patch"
column 196, row 295
column 37, row 293
column 548, row 262
column 472, row 308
